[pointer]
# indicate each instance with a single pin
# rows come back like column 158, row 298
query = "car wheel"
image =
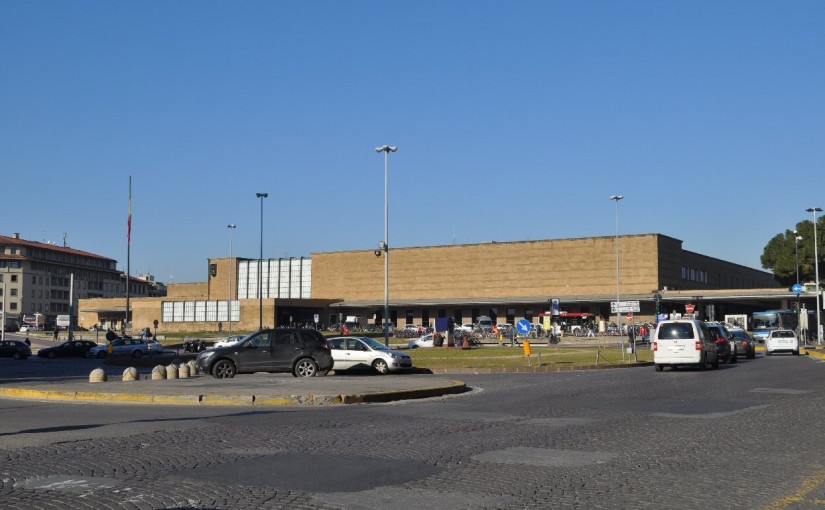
column 751, row 354
column 658, row 367
column 767, row 352
column 101, row 354
column 52, row 355
column 703, row 362
column 137, row 353
column 321, row 373
column 715, row 363
column 381, row 366
column 796, row 352
column 223, row 369
column 305, row 367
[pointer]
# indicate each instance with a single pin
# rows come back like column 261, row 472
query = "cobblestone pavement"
column 744, row 436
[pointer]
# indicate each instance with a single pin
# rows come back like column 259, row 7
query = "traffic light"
column 657, row 299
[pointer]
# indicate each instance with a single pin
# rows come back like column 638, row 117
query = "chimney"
column 16, row 235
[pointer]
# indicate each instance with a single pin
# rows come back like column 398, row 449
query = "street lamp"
column 796, row 240
column 231, row 227
column 815, row 210
column 386, row 149
column 616, row 198
column 262, row 196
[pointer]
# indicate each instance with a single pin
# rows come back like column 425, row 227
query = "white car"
column 466, row 327
column 230, row 340
column 781, row 340
column 363, row 352
column 125, row 346
column 424, row 341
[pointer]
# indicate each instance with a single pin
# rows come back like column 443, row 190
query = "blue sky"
column 513, row 121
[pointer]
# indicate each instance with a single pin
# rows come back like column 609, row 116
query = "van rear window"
column 676, row 331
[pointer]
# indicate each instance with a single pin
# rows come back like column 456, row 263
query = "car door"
column 338, row 349
column 254, row 355
column 358, row 353
column 286, row 347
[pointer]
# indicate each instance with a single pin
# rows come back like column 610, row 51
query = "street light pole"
column 815, row 210
column 262, row 196
column 231, row 227
column 616, row 198
column 386, row 149
column 796, row 240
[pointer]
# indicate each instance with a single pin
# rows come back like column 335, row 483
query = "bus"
column 769, row 320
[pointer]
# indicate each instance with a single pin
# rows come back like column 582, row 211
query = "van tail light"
column 698, row 345
column 655, row 346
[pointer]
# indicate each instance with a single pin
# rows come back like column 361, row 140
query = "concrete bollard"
column 130, row 374
column 193, row 367
column 158, row 373
column 98, row 375
column 183, row 371
column 172, row 371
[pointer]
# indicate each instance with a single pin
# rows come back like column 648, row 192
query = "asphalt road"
column 748, row 435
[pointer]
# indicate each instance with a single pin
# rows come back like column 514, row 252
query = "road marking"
column 799, row 496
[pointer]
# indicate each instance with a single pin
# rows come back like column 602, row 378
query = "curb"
column 211, row 399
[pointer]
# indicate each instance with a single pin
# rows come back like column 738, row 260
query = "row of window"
column 694, row 275
column 200, row 311
column 280, row 278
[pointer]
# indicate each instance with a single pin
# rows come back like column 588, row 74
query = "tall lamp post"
column 231, row 227
column 262, row 196
column 796, row 240
column 385, row 247
column 815, row 210
column 616, row 198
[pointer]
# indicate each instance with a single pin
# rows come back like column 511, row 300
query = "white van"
column 683, row 342
column 62, row 322
column 484, row 323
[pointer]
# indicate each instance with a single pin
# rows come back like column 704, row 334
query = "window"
column 14, row 278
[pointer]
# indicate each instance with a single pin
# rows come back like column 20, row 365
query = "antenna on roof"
column 65, row 236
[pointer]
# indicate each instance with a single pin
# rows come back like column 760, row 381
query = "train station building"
column 506, row 281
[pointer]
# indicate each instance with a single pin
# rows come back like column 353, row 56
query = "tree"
column 780, row 254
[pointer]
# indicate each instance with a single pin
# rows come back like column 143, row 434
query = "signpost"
column 624, row 307
column 689, row 308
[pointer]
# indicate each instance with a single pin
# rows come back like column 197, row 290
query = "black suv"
column 725, row 345
column 302, row 352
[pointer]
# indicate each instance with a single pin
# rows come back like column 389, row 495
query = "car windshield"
column 374, row 344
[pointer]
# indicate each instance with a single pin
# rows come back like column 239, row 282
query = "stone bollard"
column 172, row 371
column 183, row 371
column 193, row 367
column 97, row 375
column 130, row 374
column 158, row 373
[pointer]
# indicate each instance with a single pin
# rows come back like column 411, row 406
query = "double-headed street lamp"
column 262, row 196
column 385, row 247
column 231, row 227
column 815, row 210
column 616, row 198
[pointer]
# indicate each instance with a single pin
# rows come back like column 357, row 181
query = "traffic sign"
column 797, row 289
column 523, row 326
column 689, row 308
column 624, row 306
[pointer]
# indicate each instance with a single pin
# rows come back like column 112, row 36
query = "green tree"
column 780, row 254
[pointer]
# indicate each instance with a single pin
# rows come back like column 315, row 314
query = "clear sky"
column 513, row 121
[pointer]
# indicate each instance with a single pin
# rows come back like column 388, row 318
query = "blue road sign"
column 797, row 289
column 523, row 326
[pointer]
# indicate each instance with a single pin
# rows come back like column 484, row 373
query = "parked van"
column 683, row 342
column 484, row 323
column 63, row 322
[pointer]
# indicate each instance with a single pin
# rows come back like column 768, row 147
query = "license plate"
column 676, row 348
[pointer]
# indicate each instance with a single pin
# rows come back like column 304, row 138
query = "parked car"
column 73, row 349
column 781, row 340
column 14, row 349
column 354, row 352
column 683, row 342
column 411, row 327
column 745, row 344
column 725, row 344
column 302, row 352
column 123, row 346
column 230, row 340
column 424, row 341
column 467, row 328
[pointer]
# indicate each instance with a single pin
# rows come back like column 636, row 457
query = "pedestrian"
column 56, row 334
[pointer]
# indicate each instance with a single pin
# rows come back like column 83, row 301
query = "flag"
column 129, row 222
